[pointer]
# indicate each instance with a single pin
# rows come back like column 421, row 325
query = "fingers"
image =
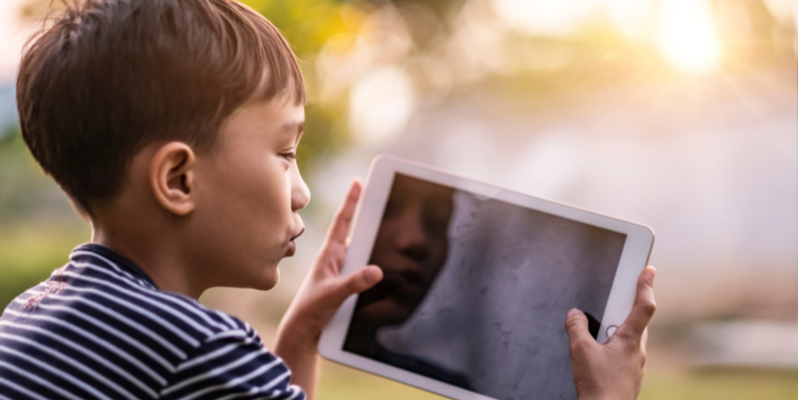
column 577, row 326
column 359, row 281
column 643, row 307
column 644, row 338
column 341, row 222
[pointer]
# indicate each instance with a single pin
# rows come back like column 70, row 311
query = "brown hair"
column 111, row 76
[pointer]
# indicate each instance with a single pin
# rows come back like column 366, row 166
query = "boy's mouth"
column 292, row 246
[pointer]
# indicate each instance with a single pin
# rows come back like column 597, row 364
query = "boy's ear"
column 172, row 177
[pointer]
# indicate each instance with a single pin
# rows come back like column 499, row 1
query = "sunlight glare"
column 687, row 36
column 548, row 17
column 630, row 17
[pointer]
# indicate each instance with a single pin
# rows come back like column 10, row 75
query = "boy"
column 172, row 125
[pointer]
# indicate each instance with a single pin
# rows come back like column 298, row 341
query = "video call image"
column 476, row 291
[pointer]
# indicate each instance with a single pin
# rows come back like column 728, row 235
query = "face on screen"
column 410, row 247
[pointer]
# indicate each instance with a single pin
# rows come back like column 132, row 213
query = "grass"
column 728, row 385
column 340, row 383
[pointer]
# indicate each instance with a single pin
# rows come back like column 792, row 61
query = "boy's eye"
column 289, row 156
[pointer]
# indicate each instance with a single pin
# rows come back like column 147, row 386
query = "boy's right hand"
column 615, row 369
column 324, row 288
column 322, row 292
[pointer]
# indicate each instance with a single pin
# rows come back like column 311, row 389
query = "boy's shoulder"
column 105, row 330
column 99, row 283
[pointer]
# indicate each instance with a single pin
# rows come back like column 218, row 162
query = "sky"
column 13, row 34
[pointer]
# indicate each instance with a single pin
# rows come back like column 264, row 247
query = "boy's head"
column 172, row 121
column 109, row 77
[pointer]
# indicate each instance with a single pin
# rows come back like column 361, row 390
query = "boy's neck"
column 157, row 254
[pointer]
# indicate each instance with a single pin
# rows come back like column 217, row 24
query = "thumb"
column 577, row 326
column 361, row 280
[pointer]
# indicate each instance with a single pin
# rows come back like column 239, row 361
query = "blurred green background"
column 680, row 114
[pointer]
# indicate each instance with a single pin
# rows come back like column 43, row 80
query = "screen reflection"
column 411, row 248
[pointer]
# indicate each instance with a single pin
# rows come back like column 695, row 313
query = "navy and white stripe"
column 99, row 328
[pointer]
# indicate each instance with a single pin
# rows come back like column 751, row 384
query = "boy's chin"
column 265, row 281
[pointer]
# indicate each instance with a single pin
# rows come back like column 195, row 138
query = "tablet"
column 477, row 284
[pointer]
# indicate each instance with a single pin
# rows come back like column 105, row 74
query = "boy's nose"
column 411, row 238
column 300, row 193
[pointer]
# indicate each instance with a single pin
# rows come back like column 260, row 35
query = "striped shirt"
column 99, row 328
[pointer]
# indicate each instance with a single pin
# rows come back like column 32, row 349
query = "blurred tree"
column 307, row 25
column 25, row 192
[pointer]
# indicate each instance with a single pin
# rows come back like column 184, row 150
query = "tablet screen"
column 476, row 290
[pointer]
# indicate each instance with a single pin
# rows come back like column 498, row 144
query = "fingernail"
column 573, row 312
column 374, row 274
column 651, row 271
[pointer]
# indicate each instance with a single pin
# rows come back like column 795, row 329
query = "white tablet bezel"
column 634, row 257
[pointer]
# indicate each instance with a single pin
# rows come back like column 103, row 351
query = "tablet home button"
column 610, row 330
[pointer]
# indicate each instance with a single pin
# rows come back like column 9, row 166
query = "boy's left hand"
column 320, row 295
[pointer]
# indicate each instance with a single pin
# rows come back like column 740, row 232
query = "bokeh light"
column 381, row 104
column 687, row 36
